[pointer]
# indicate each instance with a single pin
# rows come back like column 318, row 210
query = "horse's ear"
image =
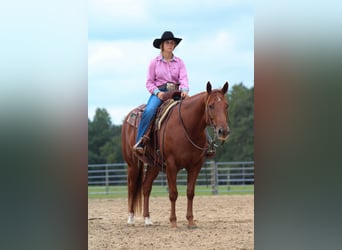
column 209, row 87
column 225, row 88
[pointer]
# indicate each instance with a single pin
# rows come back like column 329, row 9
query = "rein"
column 186, row 132
column 211, row 141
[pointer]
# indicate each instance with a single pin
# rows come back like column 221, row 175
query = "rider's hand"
column 160, row 95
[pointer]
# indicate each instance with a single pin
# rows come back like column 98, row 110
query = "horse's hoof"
column 130, row 220
column 192, row 226
column 174, row 225
column 148, row 222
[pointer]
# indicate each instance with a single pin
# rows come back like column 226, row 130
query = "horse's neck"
column 193, row 113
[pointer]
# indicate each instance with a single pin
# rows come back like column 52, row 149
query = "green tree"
column 112, row 149
column 240, row 145
column 99, row 135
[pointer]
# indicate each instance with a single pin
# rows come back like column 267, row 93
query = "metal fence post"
column 243, row 174
column 107, row 180
column 228, row 180
column 214, row 178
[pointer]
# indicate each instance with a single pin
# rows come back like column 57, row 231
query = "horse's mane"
column 200, row 94
column 195, row 96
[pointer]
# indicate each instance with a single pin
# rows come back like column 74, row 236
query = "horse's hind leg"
column 132, row 176
column 150, row 175
column 134, row 179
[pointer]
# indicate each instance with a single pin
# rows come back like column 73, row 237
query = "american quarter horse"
column 183, row 144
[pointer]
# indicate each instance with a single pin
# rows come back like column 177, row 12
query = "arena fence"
column 214, row 178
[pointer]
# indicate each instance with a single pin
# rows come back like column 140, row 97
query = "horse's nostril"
column 222, row 131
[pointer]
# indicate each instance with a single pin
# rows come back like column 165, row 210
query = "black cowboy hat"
column 167, row 35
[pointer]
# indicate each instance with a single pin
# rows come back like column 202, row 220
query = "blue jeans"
column 151, row 108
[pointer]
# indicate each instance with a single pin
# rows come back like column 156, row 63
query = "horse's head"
column 217, row 111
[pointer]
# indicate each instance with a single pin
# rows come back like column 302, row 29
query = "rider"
column 164, row 71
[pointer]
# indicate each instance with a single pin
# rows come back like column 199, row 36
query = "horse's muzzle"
column 222, row 133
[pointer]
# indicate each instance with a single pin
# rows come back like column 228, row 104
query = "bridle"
column 209, row 122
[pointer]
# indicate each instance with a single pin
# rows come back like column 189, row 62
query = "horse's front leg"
column 151, row 174
column 171, row 173
column 192, row 177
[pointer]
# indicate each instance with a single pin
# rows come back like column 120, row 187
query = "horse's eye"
column 211, row 106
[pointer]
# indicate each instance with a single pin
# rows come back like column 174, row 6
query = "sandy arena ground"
column 224, row 222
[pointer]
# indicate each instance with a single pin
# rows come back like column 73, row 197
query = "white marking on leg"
column 148, row 221
column 130, row 220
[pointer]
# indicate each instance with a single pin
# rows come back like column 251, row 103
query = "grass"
column 159, row 191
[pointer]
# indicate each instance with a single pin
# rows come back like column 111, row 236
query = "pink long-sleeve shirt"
column 161, row 72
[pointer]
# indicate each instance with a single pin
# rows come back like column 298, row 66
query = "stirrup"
column 139, row 150
column 139, row 147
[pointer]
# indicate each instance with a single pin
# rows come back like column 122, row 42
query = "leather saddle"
column 135, row 115
column 152, row 154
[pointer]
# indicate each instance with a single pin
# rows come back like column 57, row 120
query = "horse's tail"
column 135, row 195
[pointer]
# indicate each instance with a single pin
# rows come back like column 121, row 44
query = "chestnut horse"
column 183, row 144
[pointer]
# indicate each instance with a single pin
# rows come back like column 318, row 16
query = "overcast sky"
column 217, row 46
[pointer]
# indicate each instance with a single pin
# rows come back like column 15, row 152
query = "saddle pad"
column 165, row 111
column 134, row 116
